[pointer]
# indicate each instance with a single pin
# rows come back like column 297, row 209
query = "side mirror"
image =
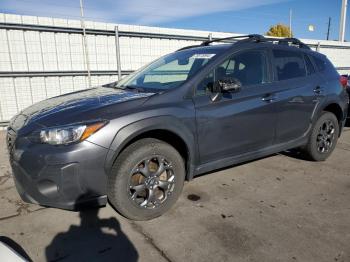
column 231, row 85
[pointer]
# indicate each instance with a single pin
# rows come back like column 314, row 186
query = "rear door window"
column 288, row 64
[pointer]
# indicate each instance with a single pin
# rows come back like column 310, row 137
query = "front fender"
column 166, row 123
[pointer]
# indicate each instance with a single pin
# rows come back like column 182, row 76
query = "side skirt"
column 229, row 161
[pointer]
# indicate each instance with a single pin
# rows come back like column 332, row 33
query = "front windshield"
column 169, row 71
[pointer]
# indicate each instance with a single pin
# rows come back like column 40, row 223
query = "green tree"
column 280, row 30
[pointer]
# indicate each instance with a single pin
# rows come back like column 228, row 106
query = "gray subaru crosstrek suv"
column 201, row 108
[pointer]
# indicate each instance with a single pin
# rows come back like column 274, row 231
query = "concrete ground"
column 278, row 208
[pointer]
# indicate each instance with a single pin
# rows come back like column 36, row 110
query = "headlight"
column 69, row 134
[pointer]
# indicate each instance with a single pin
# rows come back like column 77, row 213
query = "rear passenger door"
column 298, row 87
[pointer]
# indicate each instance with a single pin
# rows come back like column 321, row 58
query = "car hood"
column 59, row 109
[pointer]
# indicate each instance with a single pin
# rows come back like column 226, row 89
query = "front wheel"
column 146, row 179
column 323, row 138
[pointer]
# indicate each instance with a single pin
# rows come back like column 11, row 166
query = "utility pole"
column 85, row 42
column 290, row 22
column 342, row 20
column 329, row 27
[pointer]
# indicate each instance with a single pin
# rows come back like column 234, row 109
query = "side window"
column 206, row 86
column 289, row 64
column 309, row 66
column 321, row 64
column 248, row 67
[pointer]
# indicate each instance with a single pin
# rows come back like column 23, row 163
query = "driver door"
column 239, row 122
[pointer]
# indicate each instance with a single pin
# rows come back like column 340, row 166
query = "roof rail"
column 287, row 41
column 253, row 37
column 261, row 38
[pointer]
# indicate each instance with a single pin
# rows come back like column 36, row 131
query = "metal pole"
column 290, row 22
column 42, row 62
column 117, row 46
column 318, row 47
column 27, row 59
column 342, row 20
column 329, row 27
column 11, row 64
column 85, row 42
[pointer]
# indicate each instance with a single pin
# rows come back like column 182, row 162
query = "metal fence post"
column 28, row 69
column 85, row 43
column 318, row 47
column 42, row 62
column 11, row 64
column 117, row 46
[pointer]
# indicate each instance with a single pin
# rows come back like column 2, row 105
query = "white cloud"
column 158, row 11
column 131, row 11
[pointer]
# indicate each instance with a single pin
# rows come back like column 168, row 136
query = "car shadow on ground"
column 94, row 239
column 347, row 123
column 295, row 153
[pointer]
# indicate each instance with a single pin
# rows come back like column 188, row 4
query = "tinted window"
column 320, row 63
column 248, row 67
column 309, row 66
column 289, row 64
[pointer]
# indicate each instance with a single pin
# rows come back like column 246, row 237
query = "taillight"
column 343, row 81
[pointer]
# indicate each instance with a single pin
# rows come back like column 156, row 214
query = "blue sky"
column 247, row 16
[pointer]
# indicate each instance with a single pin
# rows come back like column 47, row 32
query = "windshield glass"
column 169, row 71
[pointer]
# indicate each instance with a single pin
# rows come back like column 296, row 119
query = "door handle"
column 269, row 98
column 318, row 90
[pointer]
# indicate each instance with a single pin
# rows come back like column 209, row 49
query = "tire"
column 313, row 149
column 132, row 171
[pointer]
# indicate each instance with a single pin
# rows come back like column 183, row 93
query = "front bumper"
column 67, row 176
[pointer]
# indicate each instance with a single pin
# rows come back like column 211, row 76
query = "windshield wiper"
column 111, row 85
column 131, row 87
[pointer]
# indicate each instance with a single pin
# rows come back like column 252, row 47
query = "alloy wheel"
column 325, row 136
column 151, row 182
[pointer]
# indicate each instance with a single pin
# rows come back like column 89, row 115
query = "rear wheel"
column 146, row 179
column 323, row 138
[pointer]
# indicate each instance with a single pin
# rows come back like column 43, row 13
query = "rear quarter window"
column 325, row 66
column 323, row 63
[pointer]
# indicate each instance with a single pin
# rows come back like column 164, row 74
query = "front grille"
column 10, row 138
